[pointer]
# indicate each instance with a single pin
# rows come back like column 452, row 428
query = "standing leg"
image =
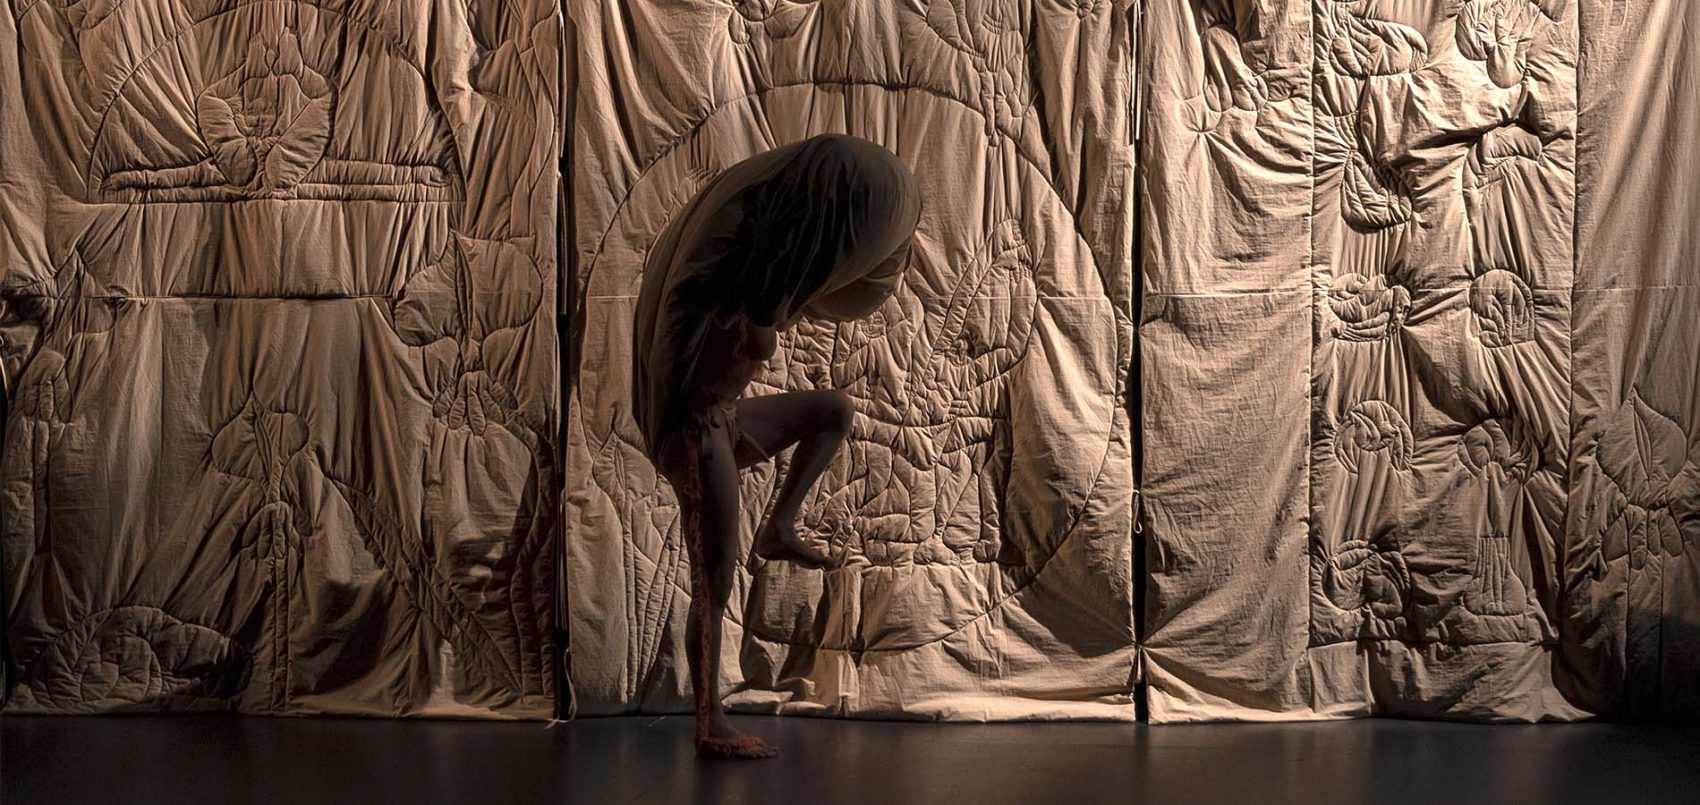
column 816, row 422
column 707, row 487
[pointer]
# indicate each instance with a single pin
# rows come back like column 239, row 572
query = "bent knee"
column 837, row 411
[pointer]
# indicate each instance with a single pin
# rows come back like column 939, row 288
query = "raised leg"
column 705, row 477
column 816, row 422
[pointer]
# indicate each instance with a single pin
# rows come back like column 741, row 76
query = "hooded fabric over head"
column 819, row 228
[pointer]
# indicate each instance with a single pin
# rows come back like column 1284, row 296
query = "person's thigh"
column 709, row 452
column 770, row 423
column 719, row 499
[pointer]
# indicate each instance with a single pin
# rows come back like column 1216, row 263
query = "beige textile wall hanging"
column 986, row 493
column 1631, row 610
column 1356, row 350
column 1411, row 365
column 1420, row 356
column 279, row 290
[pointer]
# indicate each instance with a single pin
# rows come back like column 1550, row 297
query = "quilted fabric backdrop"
column 1361, row 236
column 280, row 348
column 1630, row 633
column 1420, row 357
column 986, row 492
column 1393, row 324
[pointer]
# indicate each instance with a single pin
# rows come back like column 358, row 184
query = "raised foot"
column 777, row 541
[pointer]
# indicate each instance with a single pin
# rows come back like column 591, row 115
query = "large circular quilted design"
column 984, row 407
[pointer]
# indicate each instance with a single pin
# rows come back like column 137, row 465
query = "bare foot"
column 719, row 739
column 777, row 541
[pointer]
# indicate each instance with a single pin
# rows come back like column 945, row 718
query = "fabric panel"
column 1630, row 635
column 284, row 389
column 985, row 494
column 1397, row 177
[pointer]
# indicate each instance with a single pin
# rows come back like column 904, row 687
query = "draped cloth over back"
column 818, row 228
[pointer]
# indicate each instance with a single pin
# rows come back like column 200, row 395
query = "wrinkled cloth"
column 819, row 228
column 983, row 497
column 278, row 317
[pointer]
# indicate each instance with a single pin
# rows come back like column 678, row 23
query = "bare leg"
column 707, row 486
column 816, row 422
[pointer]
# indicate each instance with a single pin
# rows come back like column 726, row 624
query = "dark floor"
column 227, row 759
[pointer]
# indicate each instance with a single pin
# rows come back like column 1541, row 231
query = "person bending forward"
column 817, row 229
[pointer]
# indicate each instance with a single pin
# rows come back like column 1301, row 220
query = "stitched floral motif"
column 1497, row 589
column 132, row 655
column 1368, row 308
column 1371, row 578
column 990, row 33
column 1364, row 47
column 1373, row 429
column 1652, row 464
column 1504, row 309
column 1500, row 450
column 1373, row 198
column 1498, row 32
column 268, row 121
column 777, row 19
column 86, row 14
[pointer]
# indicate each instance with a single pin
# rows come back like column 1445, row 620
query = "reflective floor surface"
column 228, row 759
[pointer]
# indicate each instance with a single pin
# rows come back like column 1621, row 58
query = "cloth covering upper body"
column 820, row 228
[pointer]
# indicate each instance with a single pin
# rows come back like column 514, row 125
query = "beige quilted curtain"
column 1394, row 322
column 1361, row 239
column 986, row 492
column 1630, row 609
column 1420, row 350
column 279, row 295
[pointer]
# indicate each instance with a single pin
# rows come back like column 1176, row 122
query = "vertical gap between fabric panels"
column 1135, row 376
column 566, row 275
